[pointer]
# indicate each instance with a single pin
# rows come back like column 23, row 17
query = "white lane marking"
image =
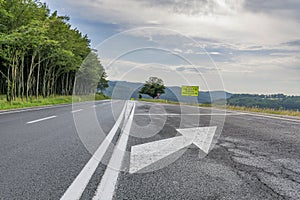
column 94, row 106
column 202, row 137
column 39, row 120
column 146, row 154
column 47, row 107
column 273, row 117
column 239, row 113
column 106, row 188
column 143, row 155
column 192, row 114
column 186, row 105
column 76, row 189
column 33, row 109
column 105, row 103
column 255, row 114
column 75, row 111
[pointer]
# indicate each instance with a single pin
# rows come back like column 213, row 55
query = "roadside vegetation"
column 172, row 102
column 228, row 107
column 158, row 101
column 42, row 57
column 273, row 102
column 265, row 110
column 153, row 87
column 55, row 100
column 278, row 104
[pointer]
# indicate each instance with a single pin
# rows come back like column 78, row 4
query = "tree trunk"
column 30, row 74
column 38, row 78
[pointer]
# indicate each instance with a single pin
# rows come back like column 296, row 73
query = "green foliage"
column 153, row 87
column 40, row 53
column 19, row 103
column 275, row 101
column 89, row 74
column 103, row 83
column 265, row 110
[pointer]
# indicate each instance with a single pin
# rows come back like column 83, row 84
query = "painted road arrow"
column 144, row 155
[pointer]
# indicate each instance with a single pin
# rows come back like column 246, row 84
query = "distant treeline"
column 40, row 53
column 274, row 101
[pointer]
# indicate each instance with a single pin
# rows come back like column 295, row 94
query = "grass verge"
column 172, row 102
column 265, row 110
column 158, row 101
column 228, row 107
column 54, row 100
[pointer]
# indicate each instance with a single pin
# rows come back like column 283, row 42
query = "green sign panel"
column 190, row 91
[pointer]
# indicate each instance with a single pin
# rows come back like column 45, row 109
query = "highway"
column 85, row 151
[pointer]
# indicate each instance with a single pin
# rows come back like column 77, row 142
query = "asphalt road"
column 255, row 158
column 43, row 151
column 40, row 160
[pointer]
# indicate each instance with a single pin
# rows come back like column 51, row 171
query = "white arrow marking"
column 144, row 155
column 201, row 136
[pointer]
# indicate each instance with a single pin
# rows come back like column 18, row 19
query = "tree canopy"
column 40, row 53
column 153, row 87
column 273, row 101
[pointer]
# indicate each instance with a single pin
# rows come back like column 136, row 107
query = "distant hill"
column 127, row 90
column 273, row 101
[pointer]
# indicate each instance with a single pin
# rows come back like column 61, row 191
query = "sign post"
column 190, row 91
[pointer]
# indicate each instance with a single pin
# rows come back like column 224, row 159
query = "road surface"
column 55, row 153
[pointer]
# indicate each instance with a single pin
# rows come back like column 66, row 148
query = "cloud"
column 271, row 5
column 231, row 21
column 214, row 53
column 237, row 22
column 251, row 41
column 293, row 43
column 177, row 50
column 194, row 69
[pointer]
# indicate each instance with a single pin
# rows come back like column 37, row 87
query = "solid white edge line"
column 192, row 114
column 273, row 117
column 44, row 107
column 42, row 119
column 106, row 188
column 32, row 109
column 77, row 187
column 236, row 111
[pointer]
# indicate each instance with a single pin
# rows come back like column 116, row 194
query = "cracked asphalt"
column 255, row 158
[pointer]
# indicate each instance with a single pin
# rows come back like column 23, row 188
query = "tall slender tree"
column 41, row 54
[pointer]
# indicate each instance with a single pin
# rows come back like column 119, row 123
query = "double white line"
column 109, row 179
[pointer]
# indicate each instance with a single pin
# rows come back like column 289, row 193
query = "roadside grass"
column 84, row 98
column 158, row 101
column 265, row 110
column 53, row 100
column 173, row 102
column 228, row 107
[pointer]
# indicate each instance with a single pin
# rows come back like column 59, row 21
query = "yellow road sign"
column 190, row 91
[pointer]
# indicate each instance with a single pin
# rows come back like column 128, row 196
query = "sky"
column 241, row 46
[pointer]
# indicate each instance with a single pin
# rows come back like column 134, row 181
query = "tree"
column 153, row 87
column 103, row 83
column 89, row 75
column 40, row 52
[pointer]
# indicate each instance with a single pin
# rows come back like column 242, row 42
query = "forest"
column 274, row 101
column 42, row 55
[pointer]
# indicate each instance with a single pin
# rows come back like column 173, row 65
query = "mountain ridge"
column 127, row 90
